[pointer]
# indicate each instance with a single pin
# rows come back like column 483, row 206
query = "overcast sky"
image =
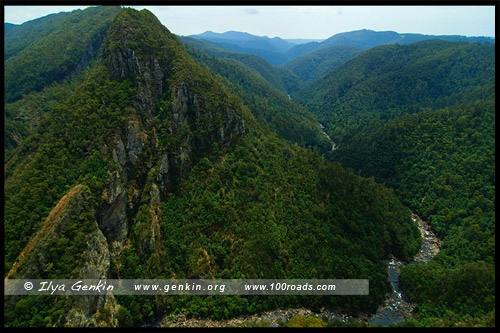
column 304, row 21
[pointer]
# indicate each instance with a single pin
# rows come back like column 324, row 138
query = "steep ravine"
column 395, row 309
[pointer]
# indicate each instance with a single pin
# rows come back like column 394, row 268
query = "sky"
column 308, row 22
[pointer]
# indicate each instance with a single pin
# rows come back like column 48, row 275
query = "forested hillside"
column 281, row 79
column 271, row 49
column 441, row 164
column 268, row 105
column 393, row 80
column 421, row 119
column 35, row 66
column 366, row 39
column 313, row 65
column 278, row 51
column 151, row 167
column 33, row 57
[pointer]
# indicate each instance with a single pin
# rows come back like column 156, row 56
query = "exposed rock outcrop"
column 112, row 217
column 86, row 310
column 119, row 154
column 136, row 138
column 162, row 177
column 57, row 218
column 124, row 63
column 34, row 261
column 148, row 76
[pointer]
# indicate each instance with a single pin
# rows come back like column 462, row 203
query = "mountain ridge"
column 278, row 54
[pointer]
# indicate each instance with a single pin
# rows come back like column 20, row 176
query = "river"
column 334, row 145
column 395, row 309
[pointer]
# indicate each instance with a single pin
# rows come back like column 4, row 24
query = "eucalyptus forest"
column 134, row 153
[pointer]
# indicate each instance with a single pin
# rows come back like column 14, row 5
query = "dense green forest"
column 313, row 65
column 420, row 118
column 33, row 62
column 281, row 79
column 37, row 74
column 133, row 153
column 442, row 164
column 392, row 80
column 151, row 167
column 268, row 105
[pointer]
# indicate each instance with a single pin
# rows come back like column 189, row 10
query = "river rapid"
column 396, row 307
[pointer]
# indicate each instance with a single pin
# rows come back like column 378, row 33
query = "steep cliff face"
column 170, row 123
column 71, row 217
column 33, row 260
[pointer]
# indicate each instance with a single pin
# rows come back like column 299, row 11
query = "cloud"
column 251, row 11
column 21, row 14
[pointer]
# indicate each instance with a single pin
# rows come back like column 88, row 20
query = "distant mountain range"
column 299, row 41
column 277, row 51
column 272, row 49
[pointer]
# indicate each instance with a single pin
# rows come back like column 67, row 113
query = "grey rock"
column 97, row 263
column 155, row 193
column 97, row 259
column 162, row 177
column 112, row 218
column 124, row 63
column 119, row 154
column 148, row 77
column 135, row 141
column 180, row 107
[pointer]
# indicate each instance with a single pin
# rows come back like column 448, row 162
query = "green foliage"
column 441, row 163
column 315, row 64
column 23, row 116
column 33, row 51
column 283, row 80
column 252, row 206
column 60, row 154
column 302, row 321
column 35, row 311
column 450, row 319
column 266, row 210
column 467, row 289
column 393, row 80
column 275, row 110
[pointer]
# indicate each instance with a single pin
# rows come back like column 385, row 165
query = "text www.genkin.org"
column 273, row 286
